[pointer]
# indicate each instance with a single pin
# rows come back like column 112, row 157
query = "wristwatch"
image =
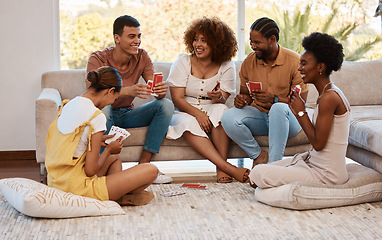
column 301, row 113
column 275, row 99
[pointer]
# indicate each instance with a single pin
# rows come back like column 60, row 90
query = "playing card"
column 120, row 133
column 254, row 85
column 217, row 86
column 158, row 77
column 197, row 186
column 297, row 89
column 150, row 83
column 172, row 193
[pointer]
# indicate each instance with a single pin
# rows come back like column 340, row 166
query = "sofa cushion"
column 364, row 185
column 366, row 128
column 355, row 79
column 38, row 200
column 138, row 136
column 69, row 83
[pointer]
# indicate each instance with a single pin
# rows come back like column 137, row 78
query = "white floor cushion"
column 364, row 185
column 38, row 200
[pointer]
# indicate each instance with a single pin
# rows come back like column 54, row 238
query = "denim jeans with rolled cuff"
column 155, row 114
column 279, row 124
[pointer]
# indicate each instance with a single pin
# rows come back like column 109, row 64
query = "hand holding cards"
column 119, row 133
column 252, row 86
column 297, row 89
column 158, row 77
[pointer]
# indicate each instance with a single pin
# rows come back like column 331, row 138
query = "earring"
column 320, row 72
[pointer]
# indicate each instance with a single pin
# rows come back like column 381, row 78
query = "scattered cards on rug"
column 172, row 193
column 194, row 185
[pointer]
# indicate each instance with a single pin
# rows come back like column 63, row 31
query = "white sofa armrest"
column 46, row 111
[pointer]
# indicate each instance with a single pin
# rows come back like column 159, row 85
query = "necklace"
column 200, row 68
column 323, row 90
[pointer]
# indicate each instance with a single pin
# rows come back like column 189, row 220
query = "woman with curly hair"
column 200, row 84
column 328, row 133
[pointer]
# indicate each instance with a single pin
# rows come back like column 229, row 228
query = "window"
column 86, row 25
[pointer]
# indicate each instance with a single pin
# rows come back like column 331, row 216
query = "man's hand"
column 262, row 96
column 161, row 89
column 138, row 90
column 240, row 101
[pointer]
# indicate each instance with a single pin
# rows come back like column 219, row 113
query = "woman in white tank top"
column 327, row 132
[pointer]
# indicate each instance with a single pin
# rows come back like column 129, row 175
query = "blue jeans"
column 279, row 124
column 155, row 114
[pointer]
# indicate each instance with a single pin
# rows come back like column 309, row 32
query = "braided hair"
column 267, row 27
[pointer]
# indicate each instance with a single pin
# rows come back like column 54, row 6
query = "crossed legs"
column 215, row 150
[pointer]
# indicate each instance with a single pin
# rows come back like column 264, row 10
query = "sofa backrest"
column 359, row 81
column 69, row 83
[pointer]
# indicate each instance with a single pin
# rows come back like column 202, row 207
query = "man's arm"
column 93, row 64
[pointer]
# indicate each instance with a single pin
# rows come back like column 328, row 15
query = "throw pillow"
column 39, row 200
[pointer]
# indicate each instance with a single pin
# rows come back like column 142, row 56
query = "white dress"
column 180, row 76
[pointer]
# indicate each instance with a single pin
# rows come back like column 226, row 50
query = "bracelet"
column 221, row 97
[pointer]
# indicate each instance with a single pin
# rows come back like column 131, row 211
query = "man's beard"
column 264, row 54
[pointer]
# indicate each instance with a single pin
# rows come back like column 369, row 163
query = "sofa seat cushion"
column 364, row 185
column 138, row 136
column 366, row 128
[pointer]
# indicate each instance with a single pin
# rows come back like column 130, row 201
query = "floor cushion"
column 38, row 200
column 364, row 185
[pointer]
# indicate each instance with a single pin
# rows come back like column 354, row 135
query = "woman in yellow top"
column 74, row 140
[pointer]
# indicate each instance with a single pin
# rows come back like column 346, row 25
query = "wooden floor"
column 20, row 168
column 180, row 171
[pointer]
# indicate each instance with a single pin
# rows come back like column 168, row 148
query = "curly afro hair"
column 219, row 37
column 326, row 49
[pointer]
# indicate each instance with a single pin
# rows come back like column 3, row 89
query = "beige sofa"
column 356, row 79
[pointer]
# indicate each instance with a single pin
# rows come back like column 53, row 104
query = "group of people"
column 79, row 161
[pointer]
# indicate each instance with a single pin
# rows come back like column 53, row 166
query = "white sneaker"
column 162, row 178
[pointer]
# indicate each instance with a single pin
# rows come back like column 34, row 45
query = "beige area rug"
column 223, row 211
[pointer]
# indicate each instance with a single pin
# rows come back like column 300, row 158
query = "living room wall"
column 29, row 47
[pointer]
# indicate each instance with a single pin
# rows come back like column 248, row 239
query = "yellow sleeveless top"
column 65, row 172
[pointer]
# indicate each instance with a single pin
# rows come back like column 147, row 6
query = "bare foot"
column 136, row 199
